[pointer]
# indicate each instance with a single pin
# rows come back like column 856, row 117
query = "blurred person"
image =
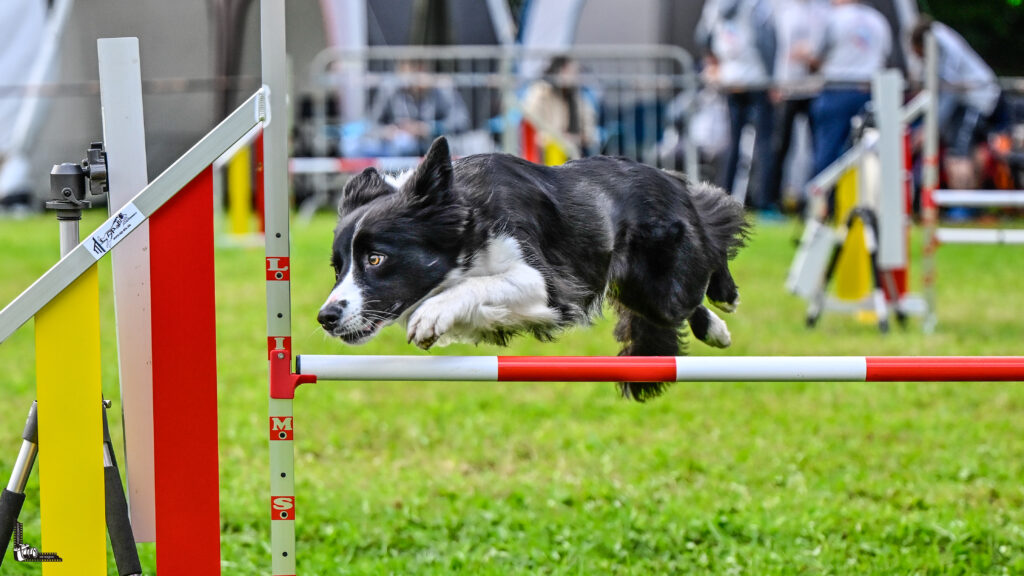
column 557, row 103
column 22, row 27
column 968, row 102
column 856, row 46
column 739, row 39
column 415, row 109
column 800, row 29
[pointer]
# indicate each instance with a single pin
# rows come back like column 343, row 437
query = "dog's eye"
column 375, row 259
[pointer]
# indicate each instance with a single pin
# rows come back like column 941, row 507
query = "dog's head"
column 392, row 246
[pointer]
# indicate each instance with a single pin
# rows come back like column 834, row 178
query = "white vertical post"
column 276, row 210
column 347, row 30
column 124, row 137
column 930, row 176
column 887, row 89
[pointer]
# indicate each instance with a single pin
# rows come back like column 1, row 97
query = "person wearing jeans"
column 857, row 45
column 800, row 26
column 739, row 39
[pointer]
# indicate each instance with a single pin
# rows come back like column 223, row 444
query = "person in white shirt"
column 969, row 93
column 739, row 39
column 856, row 46
column 800, row 29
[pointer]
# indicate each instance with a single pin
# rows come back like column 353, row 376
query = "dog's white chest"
column 500, row 291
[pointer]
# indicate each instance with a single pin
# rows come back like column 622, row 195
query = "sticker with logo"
column 114, row 230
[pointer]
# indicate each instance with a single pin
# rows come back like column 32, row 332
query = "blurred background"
column 359, row 84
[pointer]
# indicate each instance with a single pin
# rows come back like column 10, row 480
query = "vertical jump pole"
column 930, row 177
column 124, row 137
column 274, row 161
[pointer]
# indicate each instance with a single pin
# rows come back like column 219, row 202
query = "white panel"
column 124, row 137
column 549, row 24
column 887, row 93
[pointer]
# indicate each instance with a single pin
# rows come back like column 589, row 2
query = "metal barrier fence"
column 632, row 101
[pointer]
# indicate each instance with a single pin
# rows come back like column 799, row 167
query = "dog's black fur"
column 654, row 242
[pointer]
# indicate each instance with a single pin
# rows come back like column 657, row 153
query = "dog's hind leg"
column 709, row 329
column 641, row 337
column 722, row 291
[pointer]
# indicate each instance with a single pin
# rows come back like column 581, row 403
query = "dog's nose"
column 328, row 317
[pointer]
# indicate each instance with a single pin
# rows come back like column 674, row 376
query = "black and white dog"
column 492, row 245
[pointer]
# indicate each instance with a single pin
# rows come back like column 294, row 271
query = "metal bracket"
column 95, row 166
column 282, row 381
column 68, row 180
column 263, row 106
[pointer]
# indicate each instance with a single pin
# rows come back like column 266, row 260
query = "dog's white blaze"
column 348, row 291
column 500, row 290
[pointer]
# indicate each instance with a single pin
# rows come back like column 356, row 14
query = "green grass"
column 480, row 478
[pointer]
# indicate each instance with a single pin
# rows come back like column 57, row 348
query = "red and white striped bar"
column 299, row 165
column 666, row 368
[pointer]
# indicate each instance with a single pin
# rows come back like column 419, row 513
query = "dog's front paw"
column 718, row 333
column 429, row 322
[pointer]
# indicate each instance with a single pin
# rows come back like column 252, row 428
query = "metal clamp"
column 68, row 183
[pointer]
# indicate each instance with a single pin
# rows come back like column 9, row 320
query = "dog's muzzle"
column 351, row 328
column 329, row 315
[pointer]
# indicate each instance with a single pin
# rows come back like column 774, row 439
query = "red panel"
column 586, row 369
column 185, row 382
column 528, row 142
column 258, row 192
column 945, row 369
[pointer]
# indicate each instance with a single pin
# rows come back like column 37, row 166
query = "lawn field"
column 500, row 479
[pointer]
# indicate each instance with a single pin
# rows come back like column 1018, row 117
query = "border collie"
column 488, row 246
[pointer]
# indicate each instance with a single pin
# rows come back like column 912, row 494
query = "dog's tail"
column 641, row 337
column 723, row 218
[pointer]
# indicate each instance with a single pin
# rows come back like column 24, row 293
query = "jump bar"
column 979, row 236
column 993, row 198
column 666, row 368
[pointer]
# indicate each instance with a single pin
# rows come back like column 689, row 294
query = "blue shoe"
column 959, row 214
column 771, row 216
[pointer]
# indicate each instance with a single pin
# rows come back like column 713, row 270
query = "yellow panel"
column 240, row 192
column 853, row 271
column 71, row 430
column 846, row 195
column 554, row 155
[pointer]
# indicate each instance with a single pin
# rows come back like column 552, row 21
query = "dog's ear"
column 361, row 189
column 432, row 181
